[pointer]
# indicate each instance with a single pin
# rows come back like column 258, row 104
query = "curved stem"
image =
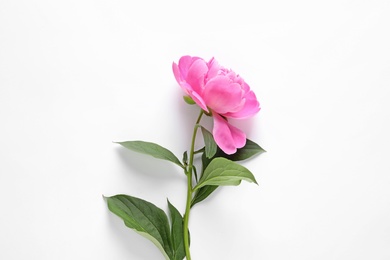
column 189, row 188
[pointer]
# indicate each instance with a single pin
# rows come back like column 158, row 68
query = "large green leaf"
column 152, row 149
column 177, row 233
column 224, row 172
column 210, row 145
column 145, row 218
column 250, row 149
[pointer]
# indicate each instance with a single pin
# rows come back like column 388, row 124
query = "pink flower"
column 222, row 93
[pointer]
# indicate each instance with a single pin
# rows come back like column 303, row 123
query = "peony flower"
column 219, row 92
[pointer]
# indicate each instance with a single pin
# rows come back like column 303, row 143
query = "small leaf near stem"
column 195, row 173
column 185, row 159
column 189, row 100
column 210, row 145
column 178, row 252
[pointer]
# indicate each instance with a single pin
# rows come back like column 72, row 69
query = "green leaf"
column 203, row 193
column 151, row 222
column 185, row 158
column 224, row 172
column 250, row 149
column 177, row 233
column 145, row 218
column 195, row 172
column 189, row 100
column 210, row 145
column 152, row 149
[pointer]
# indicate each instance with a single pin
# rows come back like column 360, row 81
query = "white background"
column 77, row 75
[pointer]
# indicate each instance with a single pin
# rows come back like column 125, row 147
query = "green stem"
column 189, row 188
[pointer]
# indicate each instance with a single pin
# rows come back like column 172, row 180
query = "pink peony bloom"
column 222, row 93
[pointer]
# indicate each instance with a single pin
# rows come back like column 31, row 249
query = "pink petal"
column 196, row 73
column 214, row 67
column 245, row 86
column 239, row 136
column 184, row 85
column 184, row 64
column 250, row 108
column 190, row 73
column 176, row 73
column 222, row 95
column 199, row 100
column 227, row 137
